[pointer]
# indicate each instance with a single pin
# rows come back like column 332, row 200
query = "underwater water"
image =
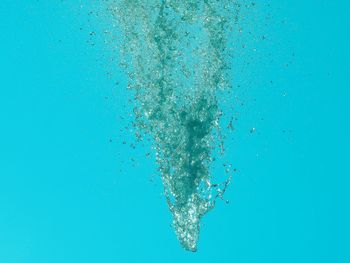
column 176, row 55
column 87, row 176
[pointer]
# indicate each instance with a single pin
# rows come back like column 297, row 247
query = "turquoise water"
column 75, row 185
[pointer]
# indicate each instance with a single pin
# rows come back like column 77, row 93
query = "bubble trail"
column 176, row 52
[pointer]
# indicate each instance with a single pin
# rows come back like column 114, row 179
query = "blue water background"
column 69, row 191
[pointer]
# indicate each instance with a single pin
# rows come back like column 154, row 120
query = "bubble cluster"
column 175, row 53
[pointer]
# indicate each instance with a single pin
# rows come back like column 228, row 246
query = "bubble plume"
column 176, row 56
